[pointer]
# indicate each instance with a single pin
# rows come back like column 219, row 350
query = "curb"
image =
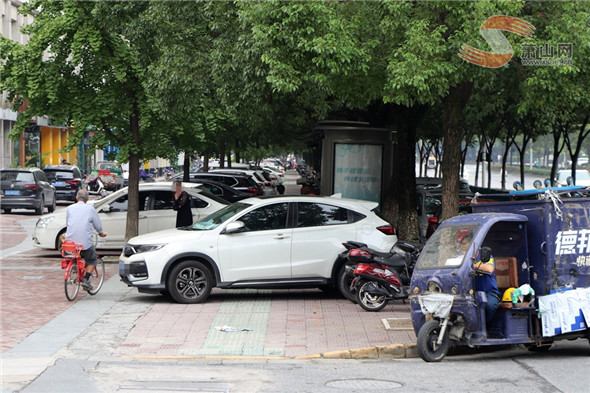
column 394, row 351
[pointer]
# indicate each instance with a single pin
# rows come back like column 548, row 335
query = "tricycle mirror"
column 234, row 227
column 485, row 254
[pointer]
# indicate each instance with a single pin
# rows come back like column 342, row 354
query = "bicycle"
column 75, row 267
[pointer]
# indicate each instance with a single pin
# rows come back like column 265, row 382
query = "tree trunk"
column 132, row 223
column 186, row 164
column 405, row 163
column 222, row 153
column 454, row 103
column 229, row 158
column 206, row 162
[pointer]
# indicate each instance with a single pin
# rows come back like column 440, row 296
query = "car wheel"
column 7, row 211
column 345, row 277
column 39, row 210
column 51, row 208
column 190, row 282
column 60, row 240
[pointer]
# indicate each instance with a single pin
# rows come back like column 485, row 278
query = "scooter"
column 96, row 187
column 381, row 277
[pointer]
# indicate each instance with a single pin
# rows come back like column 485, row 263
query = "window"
column 25, row 177
column 163, row 200
column 41, row 176
column 121, row 203
column 198, row 203
column 59, row 175
column 266, row 218
column 318, row 214
column 213, row 189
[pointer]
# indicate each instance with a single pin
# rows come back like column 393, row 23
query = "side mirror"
column 485, row 254
column 234, row 227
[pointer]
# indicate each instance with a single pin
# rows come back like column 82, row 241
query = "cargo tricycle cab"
column 537, row 247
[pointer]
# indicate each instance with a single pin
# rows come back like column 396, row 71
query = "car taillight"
column 357, row 252
column 387, row 229
column 252, row 191
column 267, row 184
column 31, row 187
column 433, row 220
column 361, row 267
column 73, row 182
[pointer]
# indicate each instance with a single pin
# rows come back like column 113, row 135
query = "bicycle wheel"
column 71, row 283
column 97, row 277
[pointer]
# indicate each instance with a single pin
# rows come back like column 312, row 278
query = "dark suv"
column 67, row 180
column 26, row 188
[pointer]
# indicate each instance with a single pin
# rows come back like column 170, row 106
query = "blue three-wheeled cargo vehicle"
column 541, row 252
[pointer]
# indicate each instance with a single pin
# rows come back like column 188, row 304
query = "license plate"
column 11, row 192
column 59, row 183
column 121, row 267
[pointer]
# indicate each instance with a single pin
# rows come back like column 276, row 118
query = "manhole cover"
column 370, row 384
column 397, row 324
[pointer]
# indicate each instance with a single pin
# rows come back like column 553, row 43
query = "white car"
column 276, row 172
column 582, row 177
column 155, row 214
column 270, row 242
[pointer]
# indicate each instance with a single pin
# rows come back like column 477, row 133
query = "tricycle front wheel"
column 428, row 348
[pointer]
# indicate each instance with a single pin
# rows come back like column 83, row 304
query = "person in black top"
column 182, row 204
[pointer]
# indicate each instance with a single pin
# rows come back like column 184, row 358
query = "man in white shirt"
column 81, row 221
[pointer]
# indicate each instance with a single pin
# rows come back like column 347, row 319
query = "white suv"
column 270, row 242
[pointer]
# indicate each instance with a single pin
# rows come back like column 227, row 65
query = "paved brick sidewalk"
column 289, row 323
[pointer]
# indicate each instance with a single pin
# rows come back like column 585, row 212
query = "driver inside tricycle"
column 459, row 281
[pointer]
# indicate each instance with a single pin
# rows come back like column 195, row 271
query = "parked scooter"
column 96, row 187
column 381, row 277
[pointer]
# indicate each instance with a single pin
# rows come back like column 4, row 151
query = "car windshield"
column 214, row 220
column 447, row 247
column 582, row 175
column 25, row 177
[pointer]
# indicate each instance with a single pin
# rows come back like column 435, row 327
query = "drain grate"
column 174, row 387
column 397, row 324
column 367, row 384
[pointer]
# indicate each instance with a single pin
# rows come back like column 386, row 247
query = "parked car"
column 223, row 191
column 67, row 180
column 26, row 188
column 238, row 181
column 155, row 214
column 269, row 242
column 582, row 177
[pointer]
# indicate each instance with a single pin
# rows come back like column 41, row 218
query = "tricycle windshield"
column 447, row 247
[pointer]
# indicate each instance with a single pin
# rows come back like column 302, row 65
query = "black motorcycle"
column 380, row 277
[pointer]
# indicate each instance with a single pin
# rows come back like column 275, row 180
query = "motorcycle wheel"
column 344, row 280
column 428, row 349
column 367, row 301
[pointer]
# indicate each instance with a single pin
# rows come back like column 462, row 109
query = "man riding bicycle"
column 81, row 221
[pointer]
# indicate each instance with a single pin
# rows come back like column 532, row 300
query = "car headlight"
column 43, row 222
column 129, row 249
